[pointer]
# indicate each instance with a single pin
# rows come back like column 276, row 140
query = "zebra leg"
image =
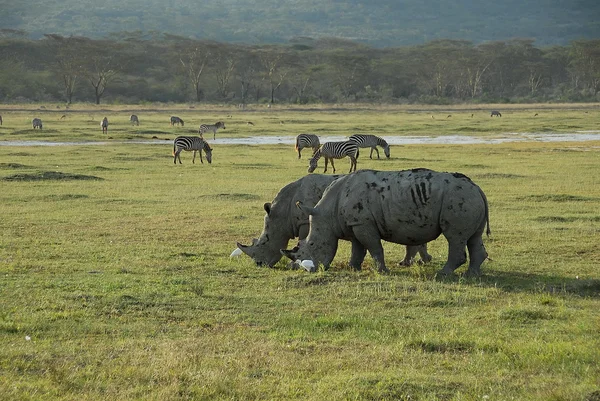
column 299, row 155
column 352, row 163
column 332, row 166
column 376, row 150
column 327, row 161
column 371, row 154
column 177, row 156
column 194, row 158
column 200, row 153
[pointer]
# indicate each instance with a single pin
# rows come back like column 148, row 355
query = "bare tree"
column 272, row 62
column 68, row 61
column 194, row 61
column 224, row 67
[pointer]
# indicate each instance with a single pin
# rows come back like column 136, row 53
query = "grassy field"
column 116, row 281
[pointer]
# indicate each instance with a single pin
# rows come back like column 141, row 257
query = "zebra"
column 307, row 141
column 176, row 120
column 206, row 128
column 134, row 119
column 371, row 141
column 191, row 143
column 495, row 113
column 36, row 123
column 335, row 150
column 104, row 125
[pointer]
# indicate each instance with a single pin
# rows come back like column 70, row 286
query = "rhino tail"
column 488, row 230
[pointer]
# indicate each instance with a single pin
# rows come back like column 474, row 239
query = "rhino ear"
column 308, row 210
column 267, row 207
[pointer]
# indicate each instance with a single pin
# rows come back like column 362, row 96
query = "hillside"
column 376, row 22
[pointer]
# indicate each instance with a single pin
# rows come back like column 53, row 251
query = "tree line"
column 125, row 68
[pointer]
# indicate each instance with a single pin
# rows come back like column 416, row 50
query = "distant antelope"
column 535, row 115
column 449, row 115
column 104, row 125
column 250, row 123
column 134, row 119
column 36, row 123
column 63, row 117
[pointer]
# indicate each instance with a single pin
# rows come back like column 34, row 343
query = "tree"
column 271, row 60
column 194, row 61
column 68, row 61
column 225, row 63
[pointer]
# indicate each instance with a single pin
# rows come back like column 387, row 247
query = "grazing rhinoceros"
column 410, row 207
column 284, row 221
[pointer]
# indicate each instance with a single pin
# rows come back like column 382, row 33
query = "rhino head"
column 320, row 245
column 265, row 249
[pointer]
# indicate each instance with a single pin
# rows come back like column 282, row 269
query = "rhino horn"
column 289, row 253
column 247, row 249
column 306, row 209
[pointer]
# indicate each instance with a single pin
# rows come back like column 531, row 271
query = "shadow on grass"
column 541, row 283
column 50, row 176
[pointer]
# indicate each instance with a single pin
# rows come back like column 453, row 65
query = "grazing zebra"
column 176, row 120
column 371, row 141
column 307, row 141
column 104, row 125
column 495, row 113
column 205, row 128
column 191, row 143
column 335, row 150
column 134, row 119
column 36, row 123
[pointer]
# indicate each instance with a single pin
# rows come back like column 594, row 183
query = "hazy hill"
column 376, row 22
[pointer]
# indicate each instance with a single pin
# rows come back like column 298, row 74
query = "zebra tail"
column 296, row 145
column 174, row 149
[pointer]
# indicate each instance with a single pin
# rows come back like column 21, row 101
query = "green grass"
column 124, row 286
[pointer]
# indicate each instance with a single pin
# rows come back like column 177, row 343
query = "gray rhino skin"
column 284, row 221
column 408, row 207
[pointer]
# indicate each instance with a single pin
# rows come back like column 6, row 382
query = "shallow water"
column 579, row 136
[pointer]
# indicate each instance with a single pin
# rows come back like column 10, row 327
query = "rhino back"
column 407, row 207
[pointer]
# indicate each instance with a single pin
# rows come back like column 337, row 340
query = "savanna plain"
column 116, row 281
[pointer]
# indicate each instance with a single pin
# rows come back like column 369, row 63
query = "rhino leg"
column 369, row 238
column 425, row 256
column 477, row 254
column 456, row 257
column 411, row 252
column 358, row 254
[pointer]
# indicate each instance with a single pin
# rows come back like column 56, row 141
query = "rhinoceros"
column 284, row 221
column 409, row 207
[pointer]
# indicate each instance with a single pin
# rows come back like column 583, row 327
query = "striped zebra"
column 176, row 120
column 335, row 150
column 307, row 141
column 134, row 119
column 371, row 141
column 206, row 128
column 191, row 143
column 36, row 123
column 104, row 125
